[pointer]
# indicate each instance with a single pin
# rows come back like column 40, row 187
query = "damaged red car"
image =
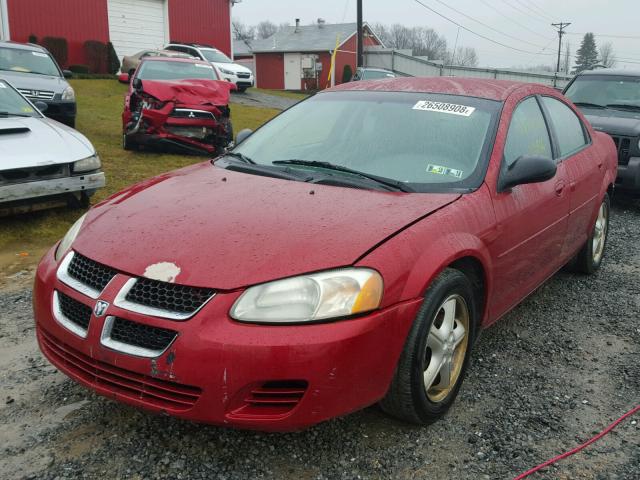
column 177, row 104
column 346, row 253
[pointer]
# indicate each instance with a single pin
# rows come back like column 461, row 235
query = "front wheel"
column 436, row 354
column 590, row 256
column 127, row 143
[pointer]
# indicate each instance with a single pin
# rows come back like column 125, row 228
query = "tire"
column 242, row 89
column 590, row 256
column 408, row 397
column 127, row 143
column 82, row 200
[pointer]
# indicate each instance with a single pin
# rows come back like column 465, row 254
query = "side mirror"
column 67, row 73
column 243, row 135
column 527, row 169
column 137, row 84
column 40, row 105
column 123, row 78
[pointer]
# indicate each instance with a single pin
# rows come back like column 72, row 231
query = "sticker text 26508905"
column 442, row 107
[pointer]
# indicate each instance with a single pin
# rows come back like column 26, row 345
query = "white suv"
column 232, row 72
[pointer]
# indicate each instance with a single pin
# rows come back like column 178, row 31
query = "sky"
column 521, row 26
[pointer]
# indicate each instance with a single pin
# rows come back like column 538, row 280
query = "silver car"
column 43, row 162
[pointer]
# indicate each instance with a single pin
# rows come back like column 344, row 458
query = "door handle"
column 559, row 188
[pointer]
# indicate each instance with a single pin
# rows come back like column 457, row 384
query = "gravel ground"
column 551, row 374
column 261, row 99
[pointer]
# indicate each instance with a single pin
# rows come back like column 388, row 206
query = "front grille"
column 168, row 296
column 90, row 273
column 34, row 174
column 623, row 145
column 76, row 312
column 244, row 75
column 143, row 336
column 37, row 94
column 125, row 383
column 191, row 114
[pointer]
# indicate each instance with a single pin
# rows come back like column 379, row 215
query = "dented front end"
column 192, row 117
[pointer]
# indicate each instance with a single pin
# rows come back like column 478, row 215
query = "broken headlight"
column 87, row 164
column 310, row 298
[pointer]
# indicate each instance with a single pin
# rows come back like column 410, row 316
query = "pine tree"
column 587, row 54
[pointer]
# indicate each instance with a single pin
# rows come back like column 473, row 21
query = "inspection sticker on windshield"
column 442, row 107
column 440, row 170
column 38, row 54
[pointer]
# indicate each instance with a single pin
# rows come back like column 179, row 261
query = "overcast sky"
column 526, row 20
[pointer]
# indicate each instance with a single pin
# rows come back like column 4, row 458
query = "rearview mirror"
column 40, row 105
column 243, row 135
column 527, row 169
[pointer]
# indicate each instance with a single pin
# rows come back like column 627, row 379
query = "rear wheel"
column 436, row 354
column 590, row 256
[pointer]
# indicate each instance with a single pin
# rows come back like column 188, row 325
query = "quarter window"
column 528, row 134
column 567, row 125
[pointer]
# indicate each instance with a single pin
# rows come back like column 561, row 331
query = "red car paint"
column 157, row 101
column 227, row 230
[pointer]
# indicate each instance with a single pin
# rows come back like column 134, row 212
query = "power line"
column 537, row 8
column 523, row 12
column 489, row 26
column 606, row 35
column 478, row 34
column 544, row 17
column 515, row 21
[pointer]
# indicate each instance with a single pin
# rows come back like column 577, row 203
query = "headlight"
column 67, row 240
column 309, row 298
column 68, row 94
column 227, row 72
column 87, row 164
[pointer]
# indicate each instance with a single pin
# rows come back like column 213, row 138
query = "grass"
column 100, row 104
column 281, row 93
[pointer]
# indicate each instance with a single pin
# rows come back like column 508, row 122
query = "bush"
column 113, row 61
column 96, row 54
column 33, row 38
column 79, row 68
column 347, row 73
column 57, row 46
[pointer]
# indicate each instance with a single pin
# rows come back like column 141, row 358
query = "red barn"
column 130, row 25
column 299, row 58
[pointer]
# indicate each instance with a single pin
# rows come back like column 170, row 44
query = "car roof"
column 175, row 59
column 612, row 71
column 22, row 46
column 471, row 87
column 375, row 69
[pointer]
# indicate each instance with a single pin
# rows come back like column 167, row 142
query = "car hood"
column 225, row 230
column 234, row 67
column 189, row 92
column 30, row 142
column 33, row 81
column 615, row 122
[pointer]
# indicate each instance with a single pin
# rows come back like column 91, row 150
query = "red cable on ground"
column 580, row 447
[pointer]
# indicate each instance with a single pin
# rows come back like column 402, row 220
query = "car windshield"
column 12, row 103
column 375, row 74
column 605, row 90
column 430, row 142
column 168, row 70
column 215, row 56
column 27, row 61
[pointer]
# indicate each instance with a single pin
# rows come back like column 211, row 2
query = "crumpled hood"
column 45, row 142
column 190, row 92
column 226, row 230
column 615, row 122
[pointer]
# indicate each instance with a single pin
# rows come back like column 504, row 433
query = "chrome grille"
column 37, row 94
column 192, row 114
column 244, row 75
column 90, row 273
column 136, row 338
column 71, row 314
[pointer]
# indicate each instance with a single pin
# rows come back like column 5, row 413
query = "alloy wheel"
column 600, row 233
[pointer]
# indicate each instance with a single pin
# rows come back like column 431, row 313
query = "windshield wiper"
column 396, row 185
column 624, row 106
column 587, row 104
column 11, row 114
column 239, row 156
column 262, row 170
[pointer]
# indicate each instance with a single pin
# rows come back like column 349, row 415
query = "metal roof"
column 306, row 38
column 242, row 47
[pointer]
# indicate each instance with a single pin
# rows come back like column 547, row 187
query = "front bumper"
column 240, row 82
column 215, row 365
column 629, row 176
column 46, row 188
column 62, row 111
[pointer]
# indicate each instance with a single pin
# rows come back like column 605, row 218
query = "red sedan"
column 346, row 253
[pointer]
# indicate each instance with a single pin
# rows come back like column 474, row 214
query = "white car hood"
column 233, row 67
column 45, row 142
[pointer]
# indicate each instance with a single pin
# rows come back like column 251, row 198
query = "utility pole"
column 560, row 26
column 360, row 54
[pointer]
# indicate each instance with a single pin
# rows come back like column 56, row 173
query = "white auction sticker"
column 442, row 107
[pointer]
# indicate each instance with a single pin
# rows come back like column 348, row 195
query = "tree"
column 607, row 55
column 463, row 57
column 265, row 29
column 242, row 31
column 566, row 63
column 423, row 42
column 587, row 54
